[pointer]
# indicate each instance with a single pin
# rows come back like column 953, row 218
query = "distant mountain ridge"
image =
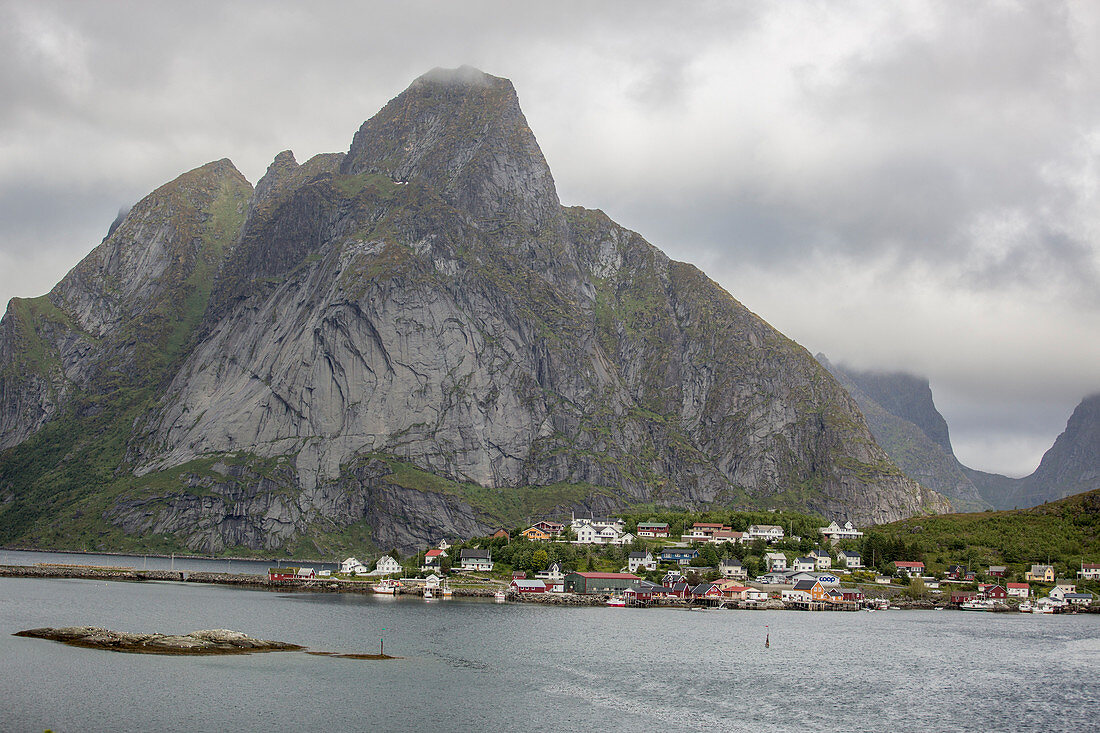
column 904, row 420
column 410, row 340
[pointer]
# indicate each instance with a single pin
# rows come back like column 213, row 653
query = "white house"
column 609, row 535
column 386, row 565
column 432, row 581
column 1019, row 590
column 643, row 560
column 835, row 532
column 804, row 564
column 776, row 561
column 1061, row 590
column 624, row 539
column 1089, row 570
column 766, row 532
column 598, row 522
column 851, row 559
column 909, row 567
column 756, row 594
column 587, row 535
column 351, row 566
column 476, row 560
column 822, row 559
column 553, row 573
column 732, row 568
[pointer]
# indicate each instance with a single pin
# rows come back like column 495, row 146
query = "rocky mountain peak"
column 462, row 131
column 151, row 249
column 1072, row 464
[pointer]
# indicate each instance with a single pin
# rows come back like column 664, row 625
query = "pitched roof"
column 474, row 554
column 522, row 583
column 609, row 576
column 805, row 584
column 638, row 555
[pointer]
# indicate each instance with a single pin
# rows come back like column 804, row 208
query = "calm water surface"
column 146, row 562
column 472, row 665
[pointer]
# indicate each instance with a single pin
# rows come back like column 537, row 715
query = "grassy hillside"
column 1065, row 533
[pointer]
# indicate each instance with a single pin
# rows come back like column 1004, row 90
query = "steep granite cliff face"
column 414, row 339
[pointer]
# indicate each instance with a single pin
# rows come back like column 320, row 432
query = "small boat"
column 447, row 592
column 500, row 596
column 386, row 587
column 1027, row 607
column 428, row 594
column 616, row 602
column 977, row 605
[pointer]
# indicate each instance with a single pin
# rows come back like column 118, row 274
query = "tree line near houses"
column 1062, row 533
column 1065, row 533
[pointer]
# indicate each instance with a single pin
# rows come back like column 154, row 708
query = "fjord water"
column 473, row 665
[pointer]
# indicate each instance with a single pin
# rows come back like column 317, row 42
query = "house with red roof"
column 1089, row 570
column 908, row 567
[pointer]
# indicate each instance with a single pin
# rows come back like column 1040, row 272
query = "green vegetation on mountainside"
column 1065, row 533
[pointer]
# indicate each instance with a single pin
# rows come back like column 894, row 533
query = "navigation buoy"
column 767, row 639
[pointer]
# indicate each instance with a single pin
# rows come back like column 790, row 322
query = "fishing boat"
column 386, row 587
column 500, row 596
column 616, row 602
column 977, row 605
column 428, row 594
column 447, row 592
column 1027, row 607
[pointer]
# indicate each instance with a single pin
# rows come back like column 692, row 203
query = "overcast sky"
column 909, row 186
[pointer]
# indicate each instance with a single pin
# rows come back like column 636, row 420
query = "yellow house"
column 1040, row 574
column 535, row 534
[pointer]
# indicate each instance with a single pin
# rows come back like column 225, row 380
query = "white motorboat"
column 386, row 587
column 977, row 604
column 500, row 596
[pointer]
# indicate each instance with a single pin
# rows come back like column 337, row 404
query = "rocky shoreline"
column 206, row 642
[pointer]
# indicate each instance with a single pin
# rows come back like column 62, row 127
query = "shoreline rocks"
column 207, row 641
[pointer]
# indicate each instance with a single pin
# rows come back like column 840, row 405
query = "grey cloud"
column 838, row 168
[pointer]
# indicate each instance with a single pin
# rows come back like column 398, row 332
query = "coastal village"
column 613, row 561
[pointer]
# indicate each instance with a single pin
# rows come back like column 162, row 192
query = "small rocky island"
column 210, row 641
